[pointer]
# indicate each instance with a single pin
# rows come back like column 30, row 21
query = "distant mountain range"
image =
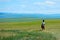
column 12, row 15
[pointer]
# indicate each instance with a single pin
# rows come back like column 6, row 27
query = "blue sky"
column 30, row 6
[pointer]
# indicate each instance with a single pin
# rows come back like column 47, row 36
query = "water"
column 12, row 15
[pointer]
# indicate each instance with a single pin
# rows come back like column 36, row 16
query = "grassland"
column 30, row 30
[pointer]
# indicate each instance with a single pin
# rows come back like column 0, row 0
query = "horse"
column 43, row 26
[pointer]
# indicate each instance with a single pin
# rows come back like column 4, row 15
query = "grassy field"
column 30, row 30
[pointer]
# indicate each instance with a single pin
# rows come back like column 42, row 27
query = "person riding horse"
column 43, row 25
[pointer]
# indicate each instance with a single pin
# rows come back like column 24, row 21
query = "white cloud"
column 50, row 2
column 23, row 6
column 45, row 3
column 38, row 3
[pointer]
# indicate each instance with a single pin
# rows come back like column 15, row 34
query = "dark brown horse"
column 43, row 27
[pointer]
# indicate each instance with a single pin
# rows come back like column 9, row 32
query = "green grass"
column 24, row 35
column 30, row 30
column 17, row 19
